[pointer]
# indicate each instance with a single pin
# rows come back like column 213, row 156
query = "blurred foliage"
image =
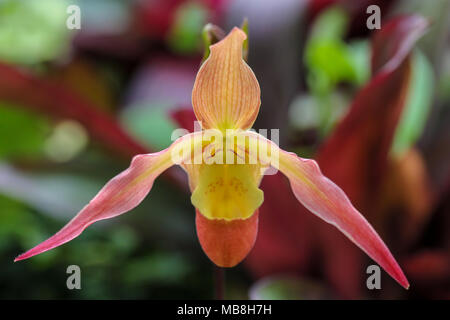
column 104, row 16
column 330, row 61
column 116, row 261
column 150, row 124
column 30, row 131
column 33, row 31
column 326, row 55
column 418, row 104
column 67, row 140
column 185, row 33
column 287, row 288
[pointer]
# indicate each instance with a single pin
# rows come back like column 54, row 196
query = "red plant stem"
column 219, row 283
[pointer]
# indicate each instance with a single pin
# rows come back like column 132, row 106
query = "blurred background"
column 76, row 105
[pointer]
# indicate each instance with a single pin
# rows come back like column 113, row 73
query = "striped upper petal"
column 226, row 94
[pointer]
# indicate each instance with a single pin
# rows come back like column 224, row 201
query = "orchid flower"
column 226, row 194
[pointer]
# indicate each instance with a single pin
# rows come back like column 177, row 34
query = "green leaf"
column 360, row 58
column 329, row 59
column 329, row 62
column 245, row 45
column 163, row 268
column 33, row 31
column 184, row 35
column 331, row 24
column 22, row 133
column 150, row 124
column 418, row 104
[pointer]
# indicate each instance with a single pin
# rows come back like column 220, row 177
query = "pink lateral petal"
column 325, row 199
column 119, row 195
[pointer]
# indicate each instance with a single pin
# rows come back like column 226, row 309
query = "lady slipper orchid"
column 225, row 163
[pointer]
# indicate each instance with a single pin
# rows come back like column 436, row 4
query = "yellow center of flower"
column 228, row 191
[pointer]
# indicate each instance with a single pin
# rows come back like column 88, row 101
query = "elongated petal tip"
column 399, row 276
column 390, row 265
column 226, row 94
column 22, row 256
column 325, row 199
column 403, row 282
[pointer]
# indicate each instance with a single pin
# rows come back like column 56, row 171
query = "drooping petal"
column 325, row 199
column 355, row 155
column 119, row 195
column 226, row 243
column 226, row 94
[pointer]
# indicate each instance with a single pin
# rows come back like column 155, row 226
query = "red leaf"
column 185, row 118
